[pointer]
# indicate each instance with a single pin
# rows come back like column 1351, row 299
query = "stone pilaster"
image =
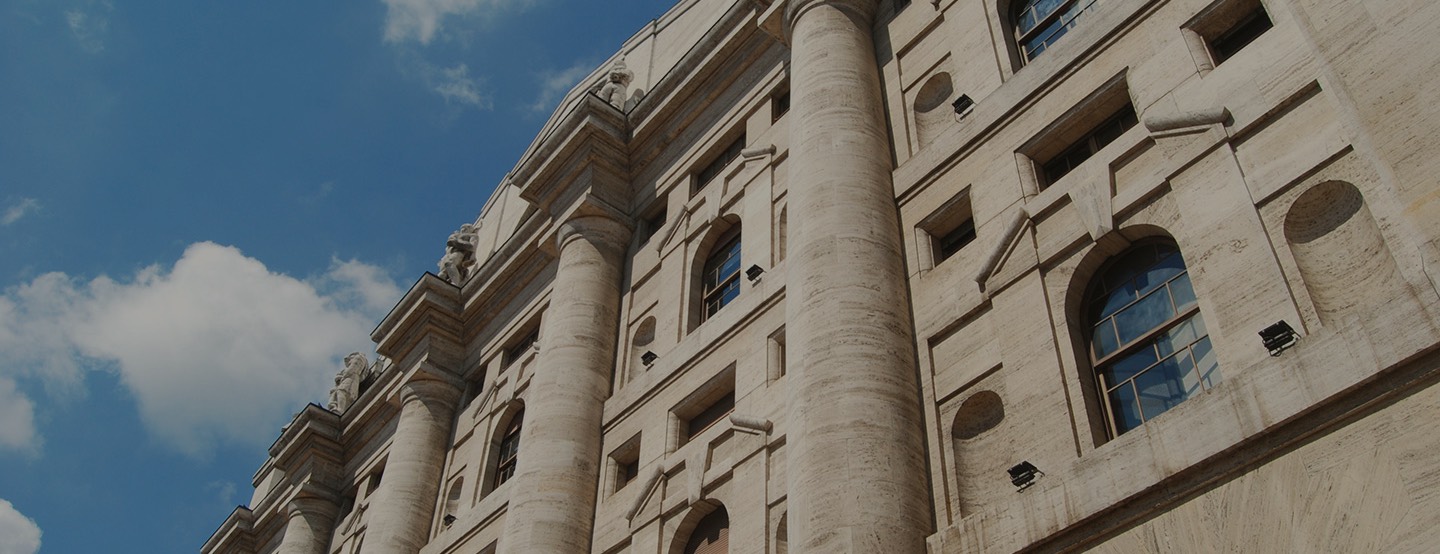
column 308, row 526
column 552, row 502
column 400, row 516
column 858, row 481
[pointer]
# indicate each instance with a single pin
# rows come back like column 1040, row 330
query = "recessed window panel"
column 1152, row 352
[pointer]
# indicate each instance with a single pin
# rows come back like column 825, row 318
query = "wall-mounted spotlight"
column 1278, row 337
column 1023, row 475
column 963, row 104
column 754, row 273
column 648, row 358
column 449, row 518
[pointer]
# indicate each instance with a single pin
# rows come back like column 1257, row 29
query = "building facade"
column 937, row 276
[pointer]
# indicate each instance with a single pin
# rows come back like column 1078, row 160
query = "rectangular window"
column 625, row 461
column 520, row 348
column 711, row 415
column 652, row 222
column 779, row 105
column 1244, row 31
column 1088, row 144
column 950, row 243
column 708, row 406
column 948, row 230
column 717, row 165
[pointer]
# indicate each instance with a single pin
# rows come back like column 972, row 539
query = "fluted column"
column 857, row 468
column 552, row 502
column 399, row 519
column 308, row 526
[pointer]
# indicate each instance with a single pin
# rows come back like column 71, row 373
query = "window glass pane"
column 1142, row 316
column 1189, row 378
column 1046, row 7
column 1205, row 363
column 1162, row 271
column 1124, row 409
column 1130, row 365
column 1179, row 337
column 1118, row 298
column 1182, row 291
column 1105, row 341
column 1161, row 388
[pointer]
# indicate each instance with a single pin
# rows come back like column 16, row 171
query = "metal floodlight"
column 754, row 273
column 1023, row 475
column 648, row 358
column 962, row 104
column 1278, row 337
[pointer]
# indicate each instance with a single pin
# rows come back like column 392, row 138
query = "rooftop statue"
column 459, row 256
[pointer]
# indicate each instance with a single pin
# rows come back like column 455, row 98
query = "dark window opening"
column 716, row 166
column 1244, row 32
column 518, row 350
column 651, row 224
column 711, row 415
column 779, row 106
column 1089, row 144
column 950, row 243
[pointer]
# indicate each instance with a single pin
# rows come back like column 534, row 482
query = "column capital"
column 603, row 229
column 310, row 506
column 862, row 9
column 428, row 390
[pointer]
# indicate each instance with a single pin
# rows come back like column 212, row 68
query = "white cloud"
column 17, row 421
column 456, row 85
column 90, row 24
column 421, row 20
column 554, row 84
column 217, row 348
column 18, row 534
column 22, row 208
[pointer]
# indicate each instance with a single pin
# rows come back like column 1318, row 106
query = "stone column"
column 857, row 466
column 552, row 498
column 309, row 525
column 399, row 519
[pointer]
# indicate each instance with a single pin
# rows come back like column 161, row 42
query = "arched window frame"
column 720, row 275
column 505, row 447
column 1129, row 365
column 716, row 270
column 706, row 516
column 1036, row 25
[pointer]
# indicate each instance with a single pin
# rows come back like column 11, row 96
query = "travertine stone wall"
column 857, row 470
column 552, row 508
column 399, row 517
column 307, row 530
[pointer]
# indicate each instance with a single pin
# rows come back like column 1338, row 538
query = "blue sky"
column 205, row 205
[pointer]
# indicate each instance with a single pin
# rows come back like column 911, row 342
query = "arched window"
column 720, row 276
column 1038, row 24
column 711, row 534
column 1147, row 341
column 509, row 449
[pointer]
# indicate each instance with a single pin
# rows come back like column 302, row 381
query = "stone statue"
column 615, row 88
column 347, row 382
column 459, row 254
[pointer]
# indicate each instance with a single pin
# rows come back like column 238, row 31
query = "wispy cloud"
column 18, row 534
column 456, row 85
column 421, row 20
column 22, row 208
column 90, row 24
column 555, row 83
column 214, row 348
